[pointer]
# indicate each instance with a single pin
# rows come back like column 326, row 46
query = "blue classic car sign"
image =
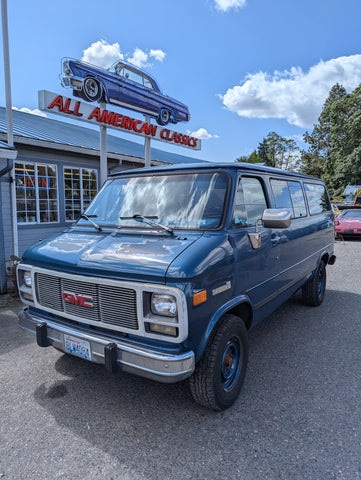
column 125, row 85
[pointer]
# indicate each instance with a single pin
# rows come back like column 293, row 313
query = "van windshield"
column 185, row 201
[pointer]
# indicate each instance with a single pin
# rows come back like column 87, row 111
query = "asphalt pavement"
column 298, row 416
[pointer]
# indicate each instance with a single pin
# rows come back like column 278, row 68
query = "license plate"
column 75, row 346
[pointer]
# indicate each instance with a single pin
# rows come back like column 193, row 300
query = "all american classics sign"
column 54, row 103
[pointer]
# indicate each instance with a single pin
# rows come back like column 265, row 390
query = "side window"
column 282, row 194
column 250, row 202
column 131, row 75
column 317, row 198
column 289, row 195
column 298, row 200
column 147, row 83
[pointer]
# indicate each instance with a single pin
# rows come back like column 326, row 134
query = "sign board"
column 95, row 114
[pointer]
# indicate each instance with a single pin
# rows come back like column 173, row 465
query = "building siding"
column 30, row 234
column 6, row 215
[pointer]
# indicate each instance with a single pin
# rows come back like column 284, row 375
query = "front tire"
column 313, row 291
column 92, row 91
column 220, row 374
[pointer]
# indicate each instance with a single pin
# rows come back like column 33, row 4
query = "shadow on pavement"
column 290, row 400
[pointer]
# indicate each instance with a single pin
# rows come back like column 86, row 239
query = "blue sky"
column 244, row 67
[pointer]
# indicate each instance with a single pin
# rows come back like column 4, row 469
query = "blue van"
column 169, row 267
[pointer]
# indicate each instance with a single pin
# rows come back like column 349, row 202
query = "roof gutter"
column 10, row 155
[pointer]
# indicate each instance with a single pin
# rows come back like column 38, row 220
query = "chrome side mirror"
column 276, row 218
column 271, row 218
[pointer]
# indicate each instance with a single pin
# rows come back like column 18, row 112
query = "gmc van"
column 169, row 267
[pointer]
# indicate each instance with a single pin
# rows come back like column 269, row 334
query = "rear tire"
column 164, row 117
column 313, row 291
column 220, row 374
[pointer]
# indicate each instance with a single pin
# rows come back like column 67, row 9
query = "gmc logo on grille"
column 83, row 300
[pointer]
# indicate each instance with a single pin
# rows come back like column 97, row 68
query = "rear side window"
column 317, row 198
column 250, row 202
column 289, row 195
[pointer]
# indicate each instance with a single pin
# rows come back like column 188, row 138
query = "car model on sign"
column 348, row 223
column 168, row 269
column 125, row 85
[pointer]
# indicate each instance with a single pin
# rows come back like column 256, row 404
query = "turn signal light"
column 199, row 297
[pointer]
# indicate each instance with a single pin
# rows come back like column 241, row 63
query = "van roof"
column 251, row 167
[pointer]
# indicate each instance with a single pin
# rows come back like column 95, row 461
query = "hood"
column 144, row 257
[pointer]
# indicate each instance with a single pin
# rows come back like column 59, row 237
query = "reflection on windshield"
column 190, row 201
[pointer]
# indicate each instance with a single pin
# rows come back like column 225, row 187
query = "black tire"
column 164, row 116
column 220, row 374
column 92, row 90
column 313, row 291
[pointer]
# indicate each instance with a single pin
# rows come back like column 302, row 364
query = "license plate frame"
column 77, row 347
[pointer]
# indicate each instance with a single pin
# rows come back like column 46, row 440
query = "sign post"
column 103, row 152
column 147, row 150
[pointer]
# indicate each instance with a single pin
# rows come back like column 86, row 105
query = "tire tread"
column 202, row 382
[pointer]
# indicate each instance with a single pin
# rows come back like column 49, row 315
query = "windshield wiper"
column 88, row 217
column 150, row 221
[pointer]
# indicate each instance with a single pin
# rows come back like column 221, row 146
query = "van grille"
column 110, row 304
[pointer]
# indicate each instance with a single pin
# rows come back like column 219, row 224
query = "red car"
column 348, row 222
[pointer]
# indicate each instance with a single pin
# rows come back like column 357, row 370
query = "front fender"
column 218, row 315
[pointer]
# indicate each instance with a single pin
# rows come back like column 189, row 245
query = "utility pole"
column 9, row 115
column 10, row 142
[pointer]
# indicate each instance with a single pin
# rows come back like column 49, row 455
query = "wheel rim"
column 231, row 363
column 321, row 283
column 91, row 88
column 165, row 116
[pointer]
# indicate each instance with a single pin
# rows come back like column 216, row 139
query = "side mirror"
column 271, row 218
column 276, row 218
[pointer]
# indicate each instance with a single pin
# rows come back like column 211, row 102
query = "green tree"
column 319, row 141
column 278, row 151
column 262, row 152
column 343, row 165
column 253, row 158
column 334, row 152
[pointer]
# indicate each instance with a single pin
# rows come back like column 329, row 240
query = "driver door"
column 256, row 270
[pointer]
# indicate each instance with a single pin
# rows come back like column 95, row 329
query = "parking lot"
column 298, row 416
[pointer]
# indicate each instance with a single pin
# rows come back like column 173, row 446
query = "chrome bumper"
column 113, row 354
column 70, row 81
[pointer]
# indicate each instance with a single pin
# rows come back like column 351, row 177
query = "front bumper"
column 71, row 81
column 114, row 354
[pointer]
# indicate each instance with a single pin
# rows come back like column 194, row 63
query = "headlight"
column 27, row 279
column 66, row 68
column 163, row 304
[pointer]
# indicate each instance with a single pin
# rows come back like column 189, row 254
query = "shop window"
column 36, row 193
column 80, row 187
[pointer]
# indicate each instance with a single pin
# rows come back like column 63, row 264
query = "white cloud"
column 36, row 111
column 139, row 58
column 102, row 54
column 292, row 94
column 225, row 5
column 202, row 134
column 157, row 54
